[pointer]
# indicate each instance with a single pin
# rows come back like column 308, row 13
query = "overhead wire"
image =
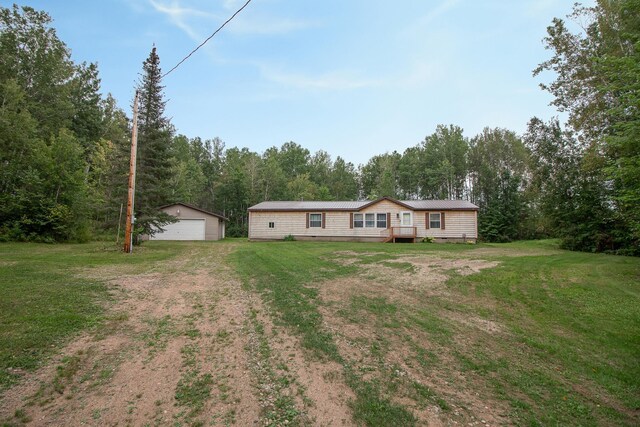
column 206, row 40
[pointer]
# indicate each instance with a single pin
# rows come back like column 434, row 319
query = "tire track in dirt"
column 128, row 373
column 183, row 344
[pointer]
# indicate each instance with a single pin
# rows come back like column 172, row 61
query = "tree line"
column 64, row 149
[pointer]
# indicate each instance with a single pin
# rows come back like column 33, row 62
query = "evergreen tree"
column 153, row 174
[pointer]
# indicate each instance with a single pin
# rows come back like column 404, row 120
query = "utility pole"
column 128, row 235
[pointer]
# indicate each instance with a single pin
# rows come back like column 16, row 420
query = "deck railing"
column 403, row 232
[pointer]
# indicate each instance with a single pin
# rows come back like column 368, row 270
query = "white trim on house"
column 433, row 221
column 404, row 215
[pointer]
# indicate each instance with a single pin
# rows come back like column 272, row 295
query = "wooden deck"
column 401, row 233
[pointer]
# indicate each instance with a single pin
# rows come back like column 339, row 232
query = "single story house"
column 381, row 220
column 193, row 224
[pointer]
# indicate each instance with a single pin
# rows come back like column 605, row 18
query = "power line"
column 204, row 42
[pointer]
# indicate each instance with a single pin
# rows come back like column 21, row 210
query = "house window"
column 434, row 220
column 272, row 225
column 315, row 220
column 358, row 220
column 370, row 220
column 382, row 220
column 406, row 219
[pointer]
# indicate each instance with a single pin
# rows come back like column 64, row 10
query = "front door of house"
column 406, row 219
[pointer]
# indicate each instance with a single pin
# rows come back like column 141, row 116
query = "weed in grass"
column 65, row 372
column 189, row 355
column 427, row 359
column 222, row 336
column 159, row 332
column 193, row 390
column 192, row 333
column 423, row 394
column 372, row 408
column 229, row 417
column 21, row 416
column 224, row 390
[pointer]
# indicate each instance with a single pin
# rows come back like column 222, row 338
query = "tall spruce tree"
column 155, row 134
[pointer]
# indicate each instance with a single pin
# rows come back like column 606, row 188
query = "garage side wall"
column 211, row 223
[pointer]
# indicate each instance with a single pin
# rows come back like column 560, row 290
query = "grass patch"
column 372, row 408
column 285, row 275
column 193, row 390
column 565, row 350
column 274, row 382
column 159, row 331
column 281, row 272
column 65, row 372
column 575, row 318
column 45, row 299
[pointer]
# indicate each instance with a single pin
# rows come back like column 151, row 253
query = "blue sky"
column 352, row 77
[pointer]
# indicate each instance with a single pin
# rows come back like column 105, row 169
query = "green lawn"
column 44, row 299
column 551, row 336
column 568, row 352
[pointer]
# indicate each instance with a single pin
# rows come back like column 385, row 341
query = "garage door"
column 184, row 229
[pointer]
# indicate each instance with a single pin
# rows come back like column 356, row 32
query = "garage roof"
column 195, row 208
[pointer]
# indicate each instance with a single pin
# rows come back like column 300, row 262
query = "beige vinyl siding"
column 295, row 223
column 337, row 224
column 456, row 224
column 213, row 230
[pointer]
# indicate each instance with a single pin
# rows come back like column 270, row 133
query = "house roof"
column 417, row 205
column 196, row 209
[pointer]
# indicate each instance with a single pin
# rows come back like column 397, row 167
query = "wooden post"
column 128, row 235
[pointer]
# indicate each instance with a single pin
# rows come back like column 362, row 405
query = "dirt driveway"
column 180, row 349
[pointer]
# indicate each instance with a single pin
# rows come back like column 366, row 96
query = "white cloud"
column 180, row 15
column 197, row 23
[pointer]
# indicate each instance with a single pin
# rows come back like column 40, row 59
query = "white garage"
column 184, row 229
column 193, row 224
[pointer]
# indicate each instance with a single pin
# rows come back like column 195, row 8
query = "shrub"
column 289, row 238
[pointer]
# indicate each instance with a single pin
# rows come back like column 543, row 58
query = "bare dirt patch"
column 385, row 344
column 129, row 371
column 178, row 346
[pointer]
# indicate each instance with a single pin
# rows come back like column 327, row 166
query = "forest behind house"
column 64, row 149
